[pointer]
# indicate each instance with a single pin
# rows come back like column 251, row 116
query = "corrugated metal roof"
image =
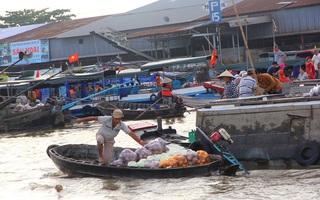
column 256, row 6
column 159, row 13
column 8, row 32
column 47, row 31
column 162, row 13
column 157, row 31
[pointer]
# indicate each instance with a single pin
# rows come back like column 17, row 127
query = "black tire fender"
column 50, row 147
column 153, row 97
column 87, row 110
column 202, row 145
column 307, row 153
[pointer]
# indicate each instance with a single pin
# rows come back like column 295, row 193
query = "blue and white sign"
column 215, row 11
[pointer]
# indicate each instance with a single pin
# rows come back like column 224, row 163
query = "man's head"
column 251, row 72
column 117, row 114
column 274, row 64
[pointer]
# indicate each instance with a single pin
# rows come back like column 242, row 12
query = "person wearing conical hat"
column 230, row 90
column 166, row 91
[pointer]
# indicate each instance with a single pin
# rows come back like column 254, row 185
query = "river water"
column 26, row 172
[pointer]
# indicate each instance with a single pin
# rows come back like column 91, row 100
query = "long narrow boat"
column 134, row 111
column 81, row 160
column 35, row 118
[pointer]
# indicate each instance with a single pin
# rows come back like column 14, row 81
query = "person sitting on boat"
column 230, row 90
column 281, row 76
column 158, row 81
column 270, row 84
column 97, row 88
column 303, row 74
column 272, row 70
column 166, row 91
column 110, row 128
column 248, row 86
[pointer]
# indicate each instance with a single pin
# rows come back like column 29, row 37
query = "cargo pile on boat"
column 156, row 154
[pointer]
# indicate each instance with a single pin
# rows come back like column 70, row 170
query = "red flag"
column 213, row 58
column 73, row 57
column 38, row 73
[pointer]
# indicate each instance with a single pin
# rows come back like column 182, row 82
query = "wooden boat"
column 213, row 92
column 134, row 111
column 82, row 160
column 35, row 118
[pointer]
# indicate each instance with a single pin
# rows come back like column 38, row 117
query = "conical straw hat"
column 166, row 80
column 226, row 74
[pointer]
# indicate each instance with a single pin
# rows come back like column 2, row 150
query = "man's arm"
column 85, row 119
column 136, row 138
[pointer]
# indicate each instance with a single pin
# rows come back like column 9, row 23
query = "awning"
column 158, row 65
column 250, row 21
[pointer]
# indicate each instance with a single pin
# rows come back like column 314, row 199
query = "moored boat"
column 134, row 111
column 34, row 118
column 268, row 129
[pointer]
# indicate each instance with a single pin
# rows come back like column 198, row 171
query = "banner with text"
column 38, row 48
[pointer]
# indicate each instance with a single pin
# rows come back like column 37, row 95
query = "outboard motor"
column 221, row 138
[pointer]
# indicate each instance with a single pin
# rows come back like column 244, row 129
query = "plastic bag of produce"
column 191, row 156
column 170, row 162
column 151, row 163
column 128, row 155
column 154, row 146
column 163, row 144
column 132, row 164
column 143, row 152
column 119, row 163
column 181, row 160
column 203, row 157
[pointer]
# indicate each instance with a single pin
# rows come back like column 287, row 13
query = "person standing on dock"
column 230, row 91
column 110, row 128
column 279, row 56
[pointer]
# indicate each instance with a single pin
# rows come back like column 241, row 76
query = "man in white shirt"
column 111, row 126
column 316, row 62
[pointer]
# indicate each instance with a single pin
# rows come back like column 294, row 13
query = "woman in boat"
column 110, row 128
column 230, row 91
column 281, row 76
column 310, row 70
column 166, row 91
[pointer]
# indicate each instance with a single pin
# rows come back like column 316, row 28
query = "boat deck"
column 146, row 96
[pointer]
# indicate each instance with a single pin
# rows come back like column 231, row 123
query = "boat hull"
column 268, row 129
column 139, row 111
column 81, row 160
column 42, row 117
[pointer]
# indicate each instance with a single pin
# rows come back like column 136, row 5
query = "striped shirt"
column 247, row 86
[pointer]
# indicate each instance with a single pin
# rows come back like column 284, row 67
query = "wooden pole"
column 244, row 39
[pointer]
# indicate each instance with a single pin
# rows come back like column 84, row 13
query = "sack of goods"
column 156, row 154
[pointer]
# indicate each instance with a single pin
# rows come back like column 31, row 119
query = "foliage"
column 3, row 78
column 32, row 16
